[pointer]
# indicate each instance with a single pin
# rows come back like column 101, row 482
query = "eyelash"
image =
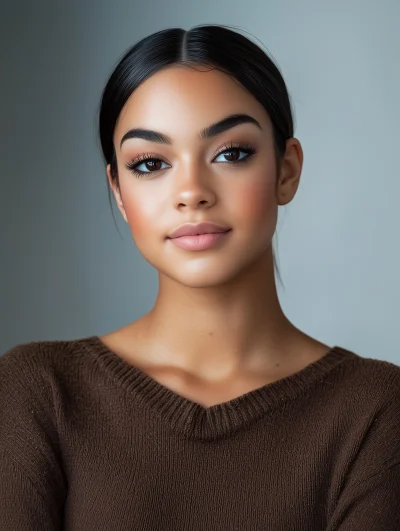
column 245, row 148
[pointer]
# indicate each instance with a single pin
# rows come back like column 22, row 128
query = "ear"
column 116, row 192
column 290, row 172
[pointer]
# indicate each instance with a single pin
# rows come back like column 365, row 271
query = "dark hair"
column 206, row 45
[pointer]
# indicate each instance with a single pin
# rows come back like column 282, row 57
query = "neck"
column 222, row 330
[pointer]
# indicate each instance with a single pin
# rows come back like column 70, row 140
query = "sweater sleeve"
column 33, row 484
column 370, row 498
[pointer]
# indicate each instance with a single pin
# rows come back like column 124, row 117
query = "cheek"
column 140, row 213
column 137, row 221
column 256, row 200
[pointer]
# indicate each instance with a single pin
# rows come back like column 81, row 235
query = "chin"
column 198, row 271
column 207, row 276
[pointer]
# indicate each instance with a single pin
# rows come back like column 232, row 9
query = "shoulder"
column 366, row 392
column 371, row 381
column 35, row 378
column 40, row 357
column 39, row 371
column 372, row 372
column 20, row 368
column 368, row 399
column 29, row 406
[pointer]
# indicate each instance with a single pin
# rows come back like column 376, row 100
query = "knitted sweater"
column 88, row 442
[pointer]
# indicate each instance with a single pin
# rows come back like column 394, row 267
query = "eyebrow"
column 212, row 130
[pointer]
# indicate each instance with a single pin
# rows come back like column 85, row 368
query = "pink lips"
column 197, row 237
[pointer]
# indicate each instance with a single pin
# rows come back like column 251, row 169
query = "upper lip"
column 191, row 229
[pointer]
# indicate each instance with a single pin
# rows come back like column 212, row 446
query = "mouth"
column 195, row 229
column 193, row 234
column 200, row 242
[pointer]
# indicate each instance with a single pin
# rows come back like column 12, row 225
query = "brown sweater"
column 91, row 443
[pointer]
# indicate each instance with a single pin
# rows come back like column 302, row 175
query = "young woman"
column 212, row 411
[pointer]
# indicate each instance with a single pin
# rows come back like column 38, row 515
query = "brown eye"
column 235, row 154
column 230, row 155
column 153, row 164
column 148, row 163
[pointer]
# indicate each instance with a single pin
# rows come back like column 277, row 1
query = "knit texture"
column 89, row 442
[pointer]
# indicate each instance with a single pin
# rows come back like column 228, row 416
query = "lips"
column 191, row 229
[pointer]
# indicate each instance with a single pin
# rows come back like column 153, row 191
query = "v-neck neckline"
column 197, row 421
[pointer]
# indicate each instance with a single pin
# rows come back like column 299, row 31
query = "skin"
column 217, row 329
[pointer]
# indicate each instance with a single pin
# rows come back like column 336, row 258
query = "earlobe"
column 109, row 177
column 287, row 187
column 116, row 193
column 290, row 172
column 282, row 195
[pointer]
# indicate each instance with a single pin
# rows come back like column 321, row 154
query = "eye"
column 148, row 162
column 233, row 154
column 153, row 164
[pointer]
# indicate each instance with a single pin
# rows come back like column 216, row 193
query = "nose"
column 193, row 189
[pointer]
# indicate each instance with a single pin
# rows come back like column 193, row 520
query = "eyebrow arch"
column 212, row 130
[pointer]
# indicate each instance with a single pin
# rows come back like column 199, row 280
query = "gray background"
column 66, row 272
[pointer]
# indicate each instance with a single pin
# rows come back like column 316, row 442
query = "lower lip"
column 200, row 242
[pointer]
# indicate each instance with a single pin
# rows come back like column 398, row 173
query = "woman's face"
column 196, row 179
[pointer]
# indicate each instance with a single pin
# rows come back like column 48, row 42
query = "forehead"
column 181, row 101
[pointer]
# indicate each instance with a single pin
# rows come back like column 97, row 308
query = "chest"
column 135, row 471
